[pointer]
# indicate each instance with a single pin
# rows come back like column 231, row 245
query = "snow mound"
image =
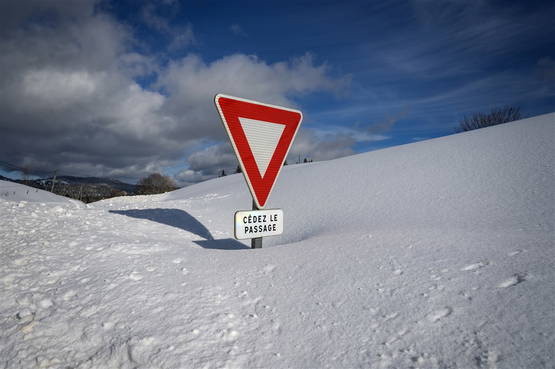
column 12, row 191
column 437, row 254
column 500, row 177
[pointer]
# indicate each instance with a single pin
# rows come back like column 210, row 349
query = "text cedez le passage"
column 257, row 219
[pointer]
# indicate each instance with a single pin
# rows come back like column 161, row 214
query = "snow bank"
column 437, row 254
column 12, row 191
column 492, row 178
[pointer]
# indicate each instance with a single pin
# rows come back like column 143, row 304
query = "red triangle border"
column 231, row 109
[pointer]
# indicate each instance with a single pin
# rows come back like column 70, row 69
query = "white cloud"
column 208, row 163
column 248, row 76
column 153, row 19
column 70, row 101
column 179, row 37
column 309, row 143
column 213, row 159
column 58, row 89
column 182, row 37
column 317, row 145
column 134, row 65
column 191, row 85
column 189, row 176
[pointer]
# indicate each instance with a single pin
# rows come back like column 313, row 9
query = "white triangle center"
column 263, row 138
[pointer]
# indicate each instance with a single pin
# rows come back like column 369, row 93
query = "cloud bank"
column 71, row 100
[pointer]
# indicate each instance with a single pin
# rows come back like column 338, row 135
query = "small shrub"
column 496, row 116
column 155, row 183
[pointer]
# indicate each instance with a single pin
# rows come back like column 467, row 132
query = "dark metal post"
column 256, row 243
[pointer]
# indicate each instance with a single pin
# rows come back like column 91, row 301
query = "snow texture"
column 12, row 191
column 437, row 254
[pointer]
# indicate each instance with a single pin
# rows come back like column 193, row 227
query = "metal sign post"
column 256, row 243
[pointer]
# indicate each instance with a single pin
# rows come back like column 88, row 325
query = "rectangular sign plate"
column 258, row 223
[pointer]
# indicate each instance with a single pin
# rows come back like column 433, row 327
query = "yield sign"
column 261, row 135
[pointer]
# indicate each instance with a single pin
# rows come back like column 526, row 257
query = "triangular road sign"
column 261, row 135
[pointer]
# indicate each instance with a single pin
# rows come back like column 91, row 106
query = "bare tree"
column 155, row 183
column 496, row 116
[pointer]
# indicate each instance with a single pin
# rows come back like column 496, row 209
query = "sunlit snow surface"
column 11, row 191
column 438, row 254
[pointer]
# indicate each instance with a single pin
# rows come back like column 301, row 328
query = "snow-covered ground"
column 12, row 191
column 438, row 254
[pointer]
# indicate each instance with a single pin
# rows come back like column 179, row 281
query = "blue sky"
column 367, row 75
column 425, row 63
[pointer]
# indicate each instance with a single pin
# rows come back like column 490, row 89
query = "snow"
column 12, row 191
column 437, row 254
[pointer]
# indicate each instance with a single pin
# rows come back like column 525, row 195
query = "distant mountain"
column 112, row 183
column 87, row 189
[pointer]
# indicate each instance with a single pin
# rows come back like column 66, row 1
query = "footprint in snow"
column 25, row 316
column 475, row 266
column 135, row 276
column 439, row 314
column 107, row 325
column 390, row 316
column 46, row 303
column 230, row 335
column 489, row 358
column 512, row 281
column 269, row 268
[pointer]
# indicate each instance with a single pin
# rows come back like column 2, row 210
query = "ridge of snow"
column 13, row 191
column 410, row 185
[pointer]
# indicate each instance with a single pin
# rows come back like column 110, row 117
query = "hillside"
column 12, row 191
column 111, row 183
column 437, row 254
column 87, row 189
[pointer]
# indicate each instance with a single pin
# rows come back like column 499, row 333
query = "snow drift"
column 437, row 254
column 12, row 191
column 484, row 179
